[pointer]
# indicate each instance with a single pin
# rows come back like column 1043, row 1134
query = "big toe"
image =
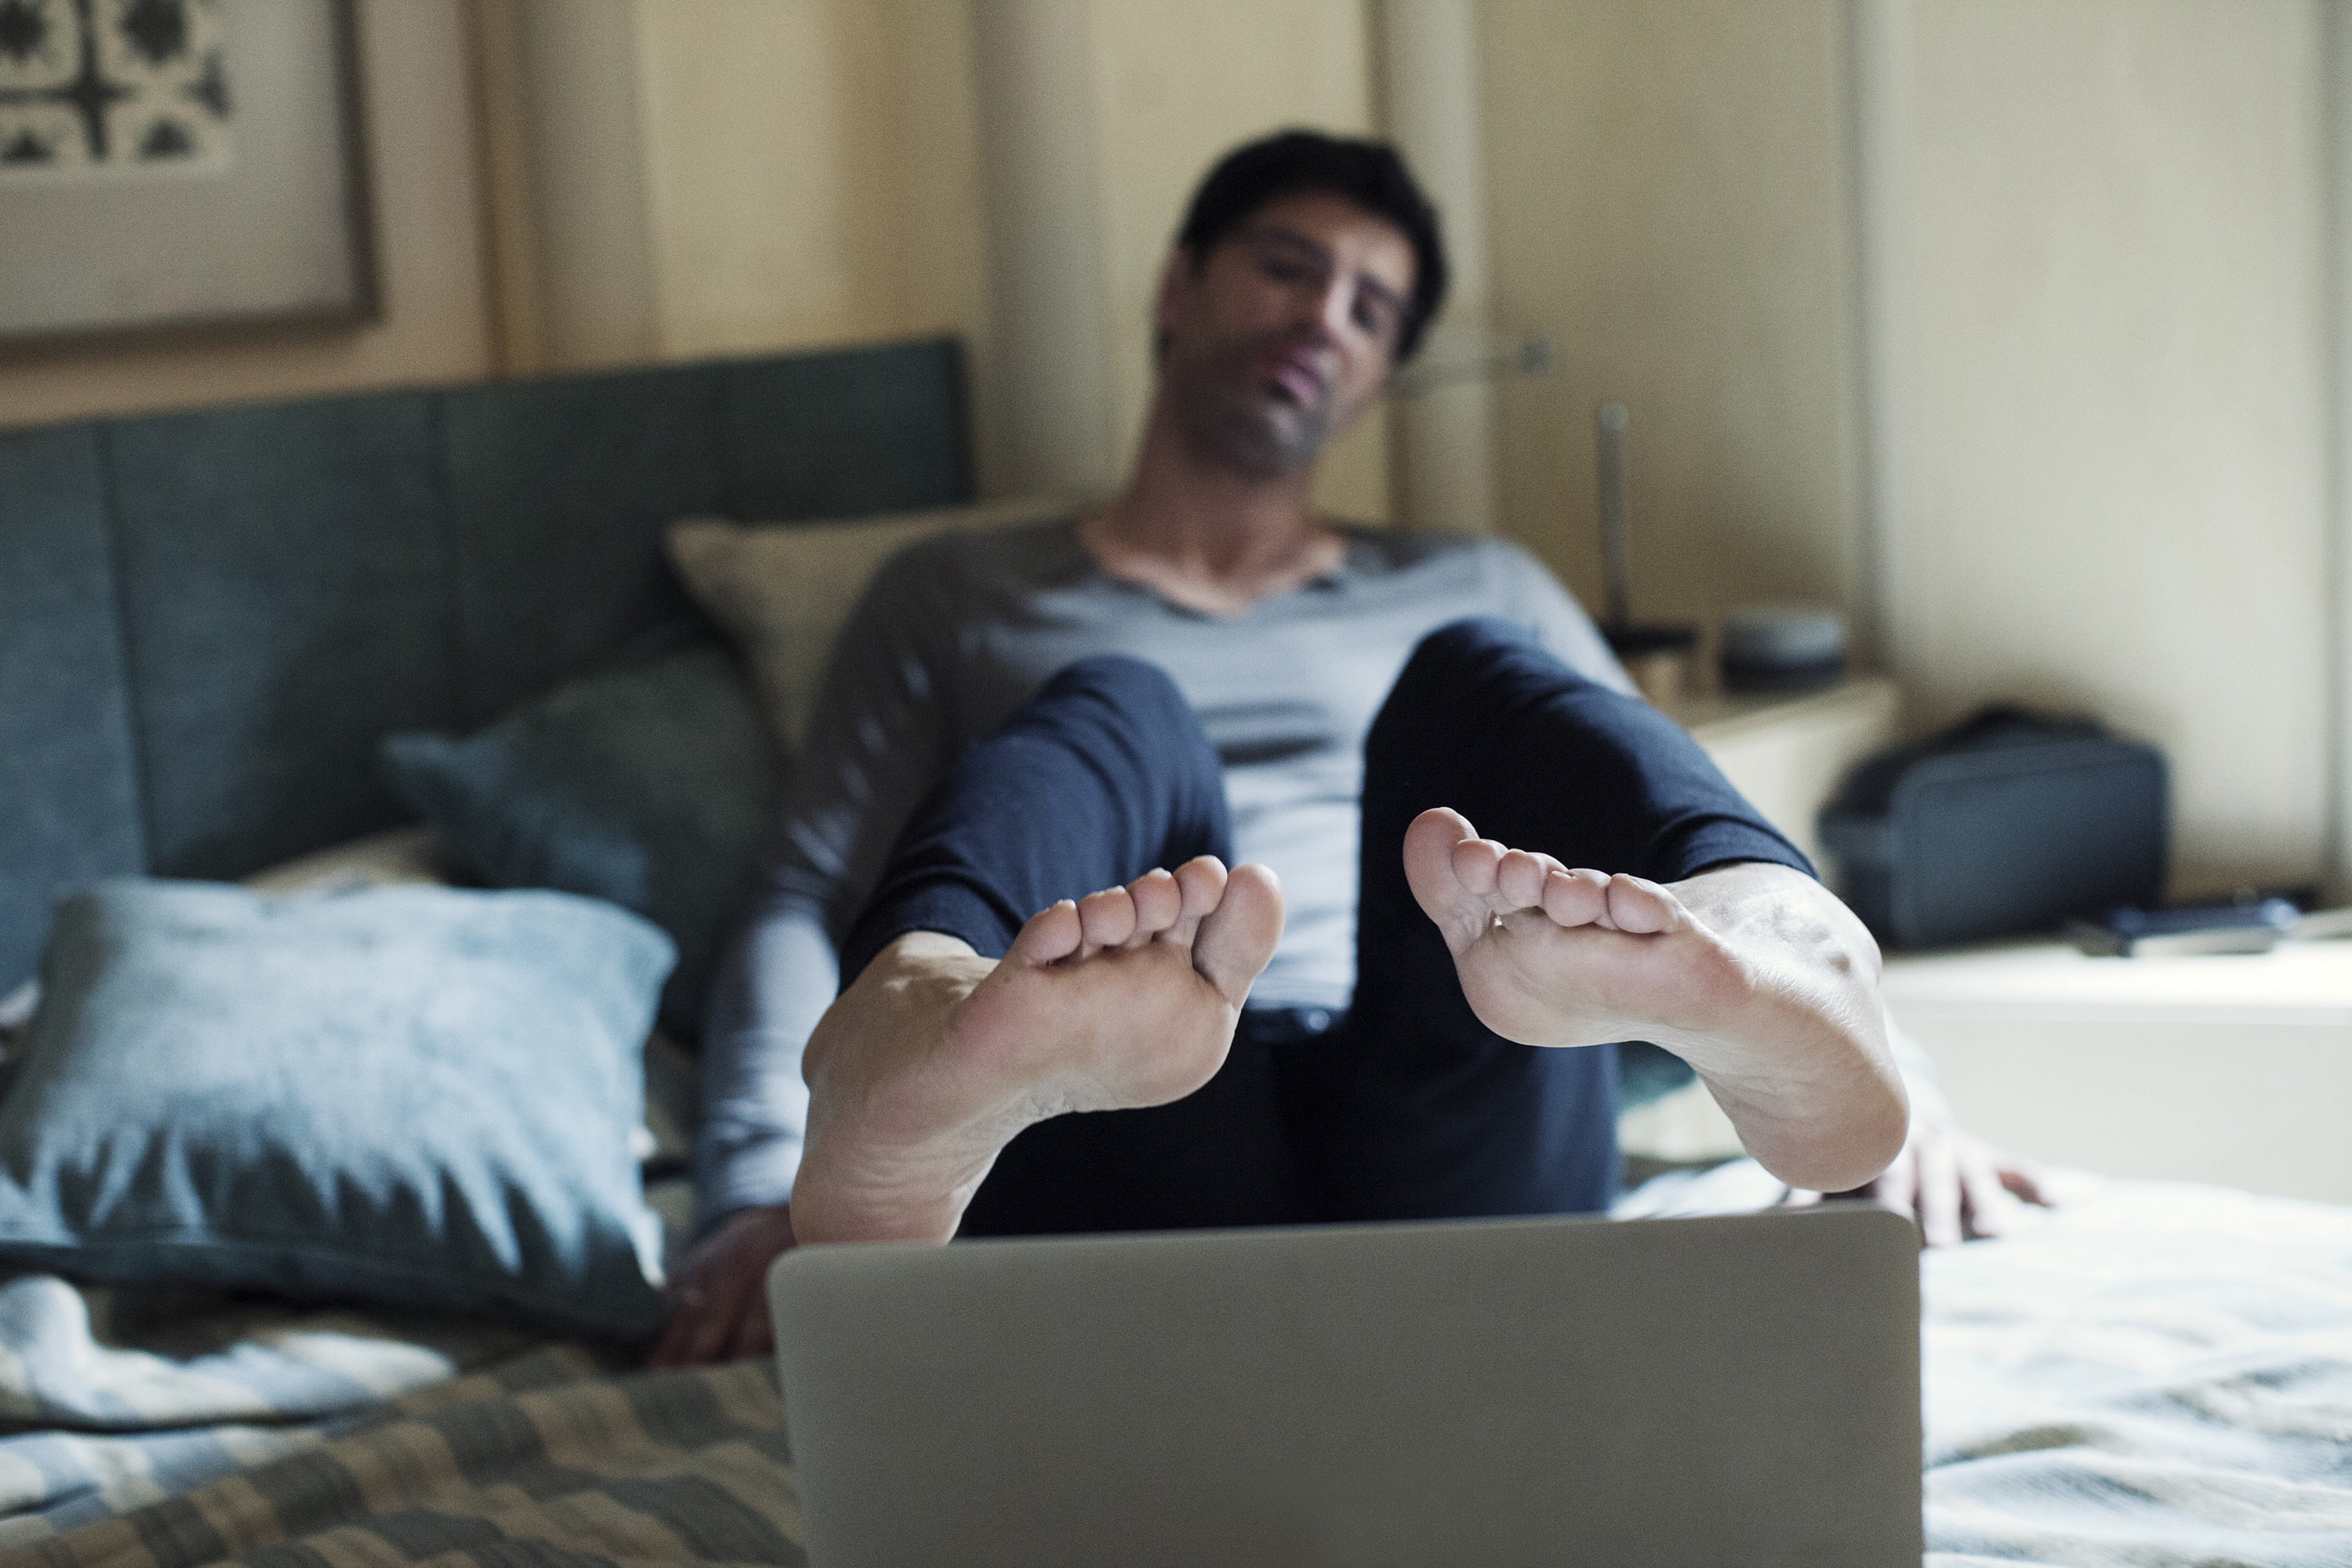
column 1643, row 907
column 1429, row 869
column 1237, row 937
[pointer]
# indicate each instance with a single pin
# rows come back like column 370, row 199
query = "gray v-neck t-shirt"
column 957, row 631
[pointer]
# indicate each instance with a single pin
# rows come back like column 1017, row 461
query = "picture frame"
column 180, row 163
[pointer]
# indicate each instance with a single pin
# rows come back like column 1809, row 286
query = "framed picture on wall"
column 179, row 163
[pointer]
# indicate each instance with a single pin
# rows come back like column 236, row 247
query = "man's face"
column 1285, row 332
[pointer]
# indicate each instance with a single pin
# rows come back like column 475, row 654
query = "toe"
column 1107, row 918
column 1429, row 859
column 1520, row 877
column 1053, row 933
column 1201, row 882
column 1237, row 938
column 1638, row 905
column 1159, row 901
column 1434, row 849
column 1577, row 897
column 1476, row 862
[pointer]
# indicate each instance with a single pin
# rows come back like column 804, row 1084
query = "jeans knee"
column 1132, row 688
column 1490, row 659
column 1129, row 717
column 1478, row 656
column 1469, row 646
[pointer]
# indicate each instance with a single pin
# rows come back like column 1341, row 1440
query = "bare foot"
column 1753, row 973
column 935, row 1058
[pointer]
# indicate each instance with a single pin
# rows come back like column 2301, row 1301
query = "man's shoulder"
column 1405, row 549
column 985, row 555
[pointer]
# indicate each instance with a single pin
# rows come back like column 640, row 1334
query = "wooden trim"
column 509, row 237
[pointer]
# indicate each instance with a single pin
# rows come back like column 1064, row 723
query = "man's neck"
column 1207, row 537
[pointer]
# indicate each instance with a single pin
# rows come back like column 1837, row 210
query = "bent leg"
column 1427, row 1110
column 1029, row 955
column 1101, row 775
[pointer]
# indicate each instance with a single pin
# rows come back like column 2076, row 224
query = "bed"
column 209, row 625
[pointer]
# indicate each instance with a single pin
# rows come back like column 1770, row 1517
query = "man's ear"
column 1177, row 277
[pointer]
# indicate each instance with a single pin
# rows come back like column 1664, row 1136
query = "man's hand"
column 1954, row 1184
column 718, row 1301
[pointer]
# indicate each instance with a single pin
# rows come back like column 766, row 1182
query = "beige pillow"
column 398, row 857
column 782, row 591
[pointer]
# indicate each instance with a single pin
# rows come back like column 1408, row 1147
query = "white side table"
column 2230, row 1070
column 2234, row 1069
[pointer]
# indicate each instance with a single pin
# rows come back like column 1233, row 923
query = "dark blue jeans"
column 1407, row 1106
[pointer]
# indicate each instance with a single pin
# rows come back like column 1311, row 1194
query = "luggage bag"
column 2007, row 824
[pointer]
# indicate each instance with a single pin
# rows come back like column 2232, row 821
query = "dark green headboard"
column 208, row 619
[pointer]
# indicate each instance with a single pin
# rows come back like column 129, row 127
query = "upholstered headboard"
column 208, row 619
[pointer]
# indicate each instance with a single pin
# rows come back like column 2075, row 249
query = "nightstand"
column 2234, row 1070
column 2230, row 1068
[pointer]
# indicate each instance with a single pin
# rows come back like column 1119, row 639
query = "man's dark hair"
column 1368, row 172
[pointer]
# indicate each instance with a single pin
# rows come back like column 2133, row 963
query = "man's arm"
column 880, row 734
column 778, row 978
column 1953, row 1182
column 776, row 981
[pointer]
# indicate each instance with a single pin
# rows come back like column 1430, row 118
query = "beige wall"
column 419, row 107
column 809, row 172
column 2087, row 253
column 2099, row 411
column 1670, row 204
column 2085, row 465
column 1174, row 87
column 574, row 252
column 805, row 172
column 676, row 179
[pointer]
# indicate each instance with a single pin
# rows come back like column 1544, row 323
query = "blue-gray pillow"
column 649, row 786
column 413, row 1095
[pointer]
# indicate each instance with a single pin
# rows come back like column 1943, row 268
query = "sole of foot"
column 935, row 1058
column 1754, row 973
column 1557, row 955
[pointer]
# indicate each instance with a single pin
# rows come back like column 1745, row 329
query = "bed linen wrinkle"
column 2151, row 1376
column 2155, row 1375
column 145, row 1359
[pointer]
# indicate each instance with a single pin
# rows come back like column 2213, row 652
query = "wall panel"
column 1669, row 202
column 2103, row 396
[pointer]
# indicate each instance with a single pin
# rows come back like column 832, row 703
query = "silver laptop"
column 1677, row 1393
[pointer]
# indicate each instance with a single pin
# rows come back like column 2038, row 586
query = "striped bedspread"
column 545, row 1459
column 2152, row 1375
column 113, row 1399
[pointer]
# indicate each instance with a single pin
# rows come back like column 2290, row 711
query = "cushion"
column 782, row 591
column 410, row 855
column 415, row 1095
column 397, row 856
column 380, row 859
column 648, row 785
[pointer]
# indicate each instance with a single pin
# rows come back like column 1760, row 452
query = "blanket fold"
column 2150, row 1376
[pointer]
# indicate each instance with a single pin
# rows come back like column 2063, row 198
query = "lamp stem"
column 1616, row 522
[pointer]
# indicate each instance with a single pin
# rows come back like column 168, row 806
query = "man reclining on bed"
column 1038, row 753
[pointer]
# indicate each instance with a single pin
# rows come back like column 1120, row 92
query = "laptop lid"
column 1682, row 1391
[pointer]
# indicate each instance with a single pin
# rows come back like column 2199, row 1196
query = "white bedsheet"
column 2152, row 1375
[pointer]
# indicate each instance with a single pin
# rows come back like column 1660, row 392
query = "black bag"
column 2006, row 823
